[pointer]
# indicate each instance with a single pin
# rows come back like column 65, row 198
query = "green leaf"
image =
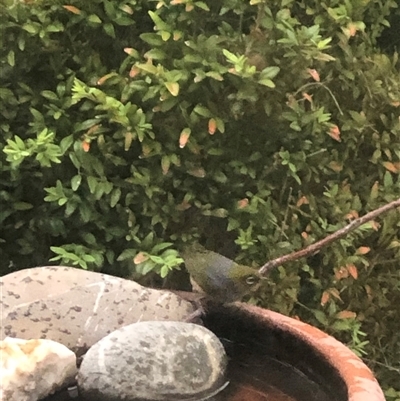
column 22, row 206
column 31, row 28
column 321, row 317
column 76, row 182
column 165, row 35
column 267, row 82
column 49, row 95
column 94, row 19
column 115, row 197
column 159, row 23
column 202, row 5
column 387, row 180
column 164, row 271
column 152, row 39
column 165, row 164
column 156, row 54
column 161, row 246
column 146, row 267
column 90, row 239
column 148, row 68
column 173, row 88
column 66, row 143
column 109, row 30
column 92, row 182
column 230, row 56
column 127, row 254
column 11, row 58
column 269, row 73
column 85, row 212
column 215, row 75
column 202, row 111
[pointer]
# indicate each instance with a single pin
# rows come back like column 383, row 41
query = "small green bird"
column 219, row 277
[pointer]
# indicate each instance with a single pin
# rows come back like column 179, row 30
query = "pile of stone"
column 134, row 341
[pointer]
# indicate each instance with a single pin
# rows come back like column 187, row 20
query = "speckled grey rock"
column 154, row 361
column 76, row 307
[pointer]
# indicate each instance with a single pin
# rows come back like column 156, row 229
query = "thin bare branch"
column 317, row 246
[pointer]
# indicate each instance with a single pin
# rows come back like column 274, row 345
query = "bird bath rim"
column 359, row 381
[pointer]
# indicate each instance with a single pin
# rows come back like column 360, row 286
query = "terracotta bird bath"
column 277, row 358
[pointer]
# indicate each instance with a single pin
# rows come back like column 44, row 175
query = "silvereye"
column 219, row 277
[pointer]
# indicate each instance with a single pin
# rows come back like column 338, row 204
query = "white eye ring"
column 251, row 280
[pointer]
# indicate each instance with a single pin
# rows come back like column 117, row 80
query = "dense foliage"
column 129, row 128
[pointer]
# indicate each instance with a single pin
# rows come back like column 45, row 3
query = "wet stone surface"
column 154, row 361
column 76, row 307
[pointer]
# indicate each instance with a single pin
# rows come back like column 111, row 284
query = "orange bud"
column 140, row 258
column 86, row 146
column 314, row 74
column 335, row 293
column 346, row 314
column 352, row 215
column 352, row 269
column 302, row 201
column 212, row 126
column 362, row 250
column 325, row 298
column 134, row 71
column 242, row 203
column 334, row 133
column 391, row 167
column 341, row 273
column 184, row 137
column 352, row 29
column 307, row 97
column 375, row 225
column 73, row 9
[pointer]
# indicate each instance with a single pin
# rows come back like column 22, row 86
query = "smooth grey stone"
column 154, row 361
column 76, row 307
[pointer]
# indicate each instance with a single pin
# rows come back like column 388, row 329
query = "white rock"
column 32, row 369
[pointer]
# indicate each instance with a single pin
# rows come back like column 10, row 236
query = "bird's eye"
column 251, row 280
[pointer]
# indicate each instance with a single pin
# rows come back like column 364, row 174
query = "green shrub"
column 129, row 128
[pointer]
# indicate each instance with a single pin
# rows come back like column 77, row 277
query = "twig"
column 314, row 248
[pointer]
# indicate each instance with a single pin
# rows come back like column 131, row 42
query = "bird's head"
column 246, row 279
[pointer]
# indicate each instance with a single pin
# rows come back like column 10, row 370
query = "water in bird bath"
column 258, row 377
column 267, row 364
column 252, row 378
